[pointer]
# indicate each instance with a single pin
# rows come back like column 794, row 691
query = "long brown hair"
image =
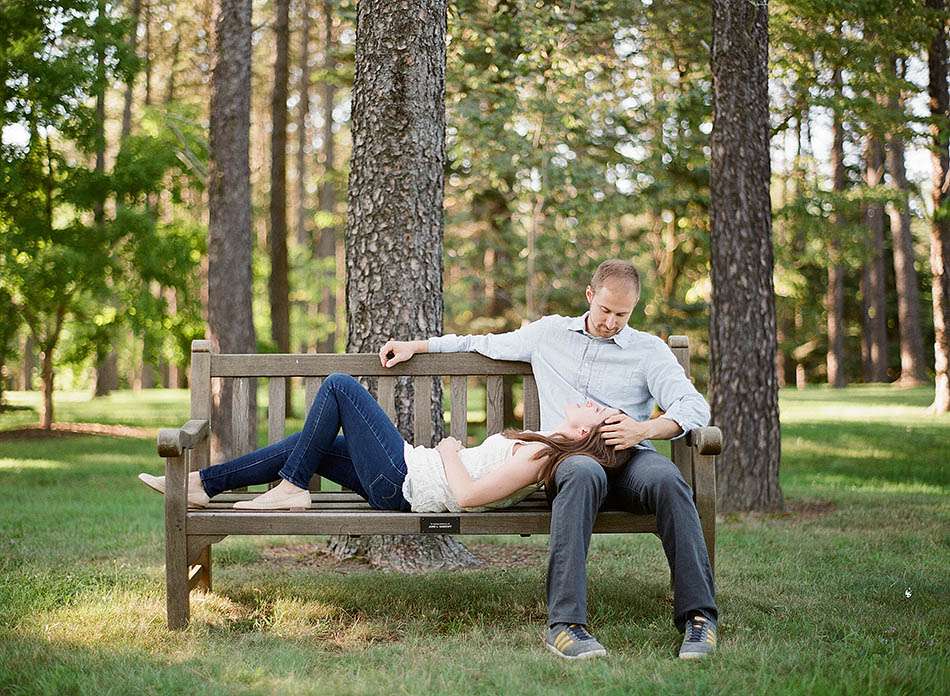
column 559, row 447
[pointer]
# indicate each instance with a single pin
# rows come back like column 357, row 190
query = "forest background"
column 574, row 132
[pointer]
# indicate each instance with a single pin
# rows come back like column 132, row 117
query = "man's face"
column 610, row 308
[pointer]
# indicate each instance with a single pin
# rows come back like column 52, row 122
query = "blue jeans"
column 367, row 458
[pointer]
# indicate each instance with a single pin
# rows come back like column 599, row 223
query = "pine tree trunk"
column 46, row 417
column 940, row 225
column 744, row 394
column 874, row 307
column 834, row 299
column 326, row 236
column 130, row 85
column 278, row 286
column 303, row 118
column 394, row 226
column 913, row 371
column 230, row 324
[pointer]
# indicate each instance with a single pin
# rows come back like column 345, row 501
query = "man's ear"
column 590, row 293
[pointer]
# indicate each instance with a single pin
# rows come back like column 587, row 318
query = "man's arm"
column 513, row 345
column 674, row 392
column 684, row 407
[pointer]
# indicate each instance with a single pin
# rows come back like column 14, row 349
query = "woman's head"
column 579, row 434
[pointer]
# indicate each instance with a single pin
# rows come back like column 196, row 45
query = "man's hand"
column 395, row 352
column 623, row 432
column 449, row 445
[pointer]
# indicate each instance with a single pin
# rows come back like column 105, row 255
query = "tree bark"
column 27, row 350
column 395, row 219
column 873, row 305
column 326, row 237
column 303, row 118
column 278, row 286
column 834, row 299
column 744, row 393
column 230, row 324
column 913, row 371
column 130, row 85
column 940, row 225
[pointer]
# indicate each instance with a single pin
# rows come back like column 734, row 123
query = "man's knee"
column 662, row 478
column 582, row 473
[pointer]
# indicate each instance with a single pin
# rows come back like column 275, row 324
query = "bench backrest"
column 207, row 365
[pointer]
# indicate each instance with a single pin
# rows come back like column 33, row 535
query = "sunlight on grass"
column 15, row 465
column 872, row 485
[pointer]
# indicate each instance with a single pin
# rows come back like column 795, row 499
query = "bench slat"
column 387, row 396
column 460, row 409
column 422, row 408
column 311, row 387
column 495, row 402
column 276, row 403
column 241, row 415
column 532, row 407
column 362, row 364
column 384, row 522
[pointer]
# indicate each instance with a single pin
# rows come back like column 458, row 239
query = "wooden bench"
column 190, row 533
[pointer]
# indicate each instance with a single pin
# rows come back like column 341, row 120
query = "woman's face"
column 586, row 415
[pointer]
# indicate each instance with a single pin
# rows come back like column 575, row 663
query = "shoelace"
column 579, row 632
column 697, row 631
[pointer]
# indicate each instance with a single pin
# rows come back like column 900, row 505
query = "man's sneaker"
column 700, row 638
column 573, row 642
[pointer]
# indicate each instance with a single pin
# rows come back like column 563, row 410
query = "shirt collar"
column 624, row 338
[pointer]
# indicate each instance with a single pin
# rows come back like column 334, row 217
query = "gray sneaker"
column 573, row 642
column 699, row 640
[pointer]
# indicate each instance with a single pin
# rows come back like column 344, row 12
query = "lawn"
column 847, row 592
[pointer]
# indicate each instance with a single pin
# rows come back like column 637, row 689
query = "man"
column 598, row 357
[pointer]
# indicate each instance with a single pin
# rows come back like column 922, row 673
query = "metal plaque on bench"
column 439, row 525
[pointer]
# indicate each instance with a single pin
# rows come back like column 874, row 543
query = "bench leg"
column 176, row 546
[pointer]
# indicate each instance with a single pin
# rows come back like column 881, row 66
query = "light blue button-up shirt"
column 631, row 371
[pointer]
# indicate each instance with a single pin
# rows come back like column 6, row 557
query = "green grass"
column 810, row 603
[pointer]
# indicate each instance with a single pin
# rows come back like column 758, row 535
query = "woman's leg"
column 375, row 447
column 263, row 465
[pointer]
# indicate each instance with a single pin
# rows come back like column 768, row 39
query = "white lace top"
column 427, row 489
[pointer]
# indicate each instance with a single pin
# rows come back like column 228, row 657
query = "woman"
column 372, row 459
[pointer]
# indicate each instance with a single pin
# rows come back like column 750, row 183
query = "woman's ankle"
column 286, row 486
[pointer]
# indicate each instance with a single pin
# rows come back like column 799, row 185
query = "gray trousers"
column 648, row 484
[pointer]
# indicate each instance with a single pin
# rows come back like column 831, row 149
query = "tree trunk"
column 744, row 394
column 130, row 85
column 279, row 281
column 230, row 324
column 27, row 350
column 326, row 236
column 834, row 299
column 106, row 378
column 913, row 371
column 940, row 225
column 278, row 286
column 394, row 226
column 46, row 418
column 303, row 118
column 874, row 307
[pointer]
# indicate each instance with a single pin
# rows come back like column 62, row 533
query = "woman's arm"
column 519, row 471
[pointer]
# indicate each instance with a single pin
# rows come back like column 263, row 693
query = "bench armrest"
column 173, row 441
column 708, row 439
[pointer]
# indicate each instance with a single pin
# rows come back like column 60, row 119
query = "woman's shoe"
column 196, row 494
column 277, row 499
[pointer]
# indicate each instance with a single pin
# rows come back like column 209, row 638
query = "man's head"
column 613, row 292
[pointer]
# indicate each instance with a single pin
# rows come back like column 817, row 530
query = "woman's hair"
column 559, row 447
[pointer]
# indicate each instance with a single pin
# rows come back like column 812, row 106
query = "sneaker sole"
column 585, row 656
column 694, row 656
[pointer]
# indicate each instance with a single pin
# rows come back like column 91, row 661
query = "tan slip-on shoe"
column 196, row 496
column 297, row 501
